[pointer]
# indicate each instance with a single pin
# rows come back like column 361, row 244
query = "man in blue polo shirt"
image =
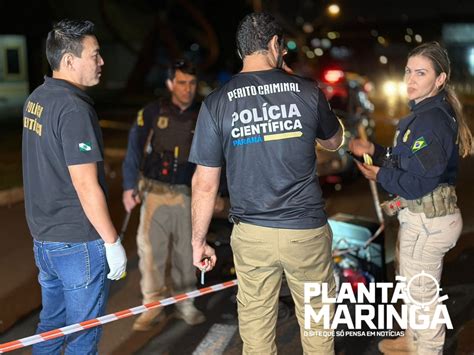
column 76, row 247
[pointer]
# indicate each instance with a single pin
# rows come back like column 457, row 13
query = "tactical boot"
column 400, row 345
column 191, row 315
column 148, row 319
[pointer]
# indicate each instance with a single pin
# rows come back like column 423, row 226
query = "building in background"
column 14, row 86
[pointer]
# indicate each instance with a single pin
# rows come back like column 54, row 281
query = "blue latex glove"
column 117, row 260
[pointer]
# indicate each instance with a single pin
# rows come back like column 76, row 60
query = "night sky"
column 142, row 36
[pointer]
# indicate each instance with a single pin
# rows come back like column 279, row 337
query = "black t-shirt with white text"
column 264, row 124
column 60, row 128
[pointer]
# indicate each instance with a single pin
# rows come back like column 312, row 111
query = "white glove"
column 116, row 258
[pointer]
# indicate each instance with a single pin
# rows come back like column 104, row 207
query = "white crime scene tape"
column 60, row 332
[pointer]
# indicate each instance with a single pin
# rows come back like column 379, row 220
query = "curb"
column 11, row 196
column 19, row 302
column 14, row 195
column 114, row 153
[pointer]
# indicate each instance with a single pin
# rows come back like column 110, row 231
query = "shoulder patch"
column 420, row 143
column 140, row 121
column 406, row 135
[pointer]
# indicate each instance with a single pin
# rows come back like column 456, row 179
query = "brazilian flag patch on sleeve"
column 419, row 144
column 85, row 147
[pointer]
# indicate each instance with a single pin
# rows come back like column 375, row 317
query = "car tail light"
column 333, row 76
column 354, row 277
column 368, row 87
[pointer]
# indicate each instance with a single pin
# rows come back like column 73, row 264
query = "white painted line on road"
column 216, row 340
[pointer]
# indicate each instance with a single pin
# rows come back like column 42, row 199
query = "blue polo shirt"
column 60, row 128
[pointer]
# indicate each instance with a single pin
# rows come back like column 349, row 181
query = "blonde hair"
column 441, row 64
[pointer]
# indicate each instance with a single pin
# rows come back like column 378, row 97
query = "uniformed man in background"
column 157, row 157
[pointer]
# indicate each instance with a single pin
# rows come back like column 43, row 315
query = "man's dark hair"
column 255, row 31
column 66, row 37
column 182, row 65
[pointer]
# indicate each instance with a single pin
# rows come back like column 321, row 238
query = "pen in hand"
column 203, row 269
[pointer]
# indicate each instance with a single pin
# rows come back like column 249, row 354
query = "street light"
column 334, row 9
column 317, row 28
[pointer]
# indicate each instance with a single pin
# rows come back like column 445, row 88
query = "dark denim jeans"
column 74, row 288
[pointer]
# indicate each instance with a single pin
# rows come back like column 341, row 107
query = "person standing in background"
column 164, row 128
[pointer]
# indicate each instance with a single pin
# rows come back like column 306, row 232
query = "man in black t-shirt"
column 76, row 247
column 264, row 123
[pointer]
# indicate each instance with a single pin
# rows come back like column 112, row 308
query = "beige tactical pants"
column 261, row 255
column 423, row 244
column 165, row 217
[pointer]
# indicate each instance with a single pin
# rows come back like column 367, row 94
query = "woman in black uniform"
column 421, row 168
